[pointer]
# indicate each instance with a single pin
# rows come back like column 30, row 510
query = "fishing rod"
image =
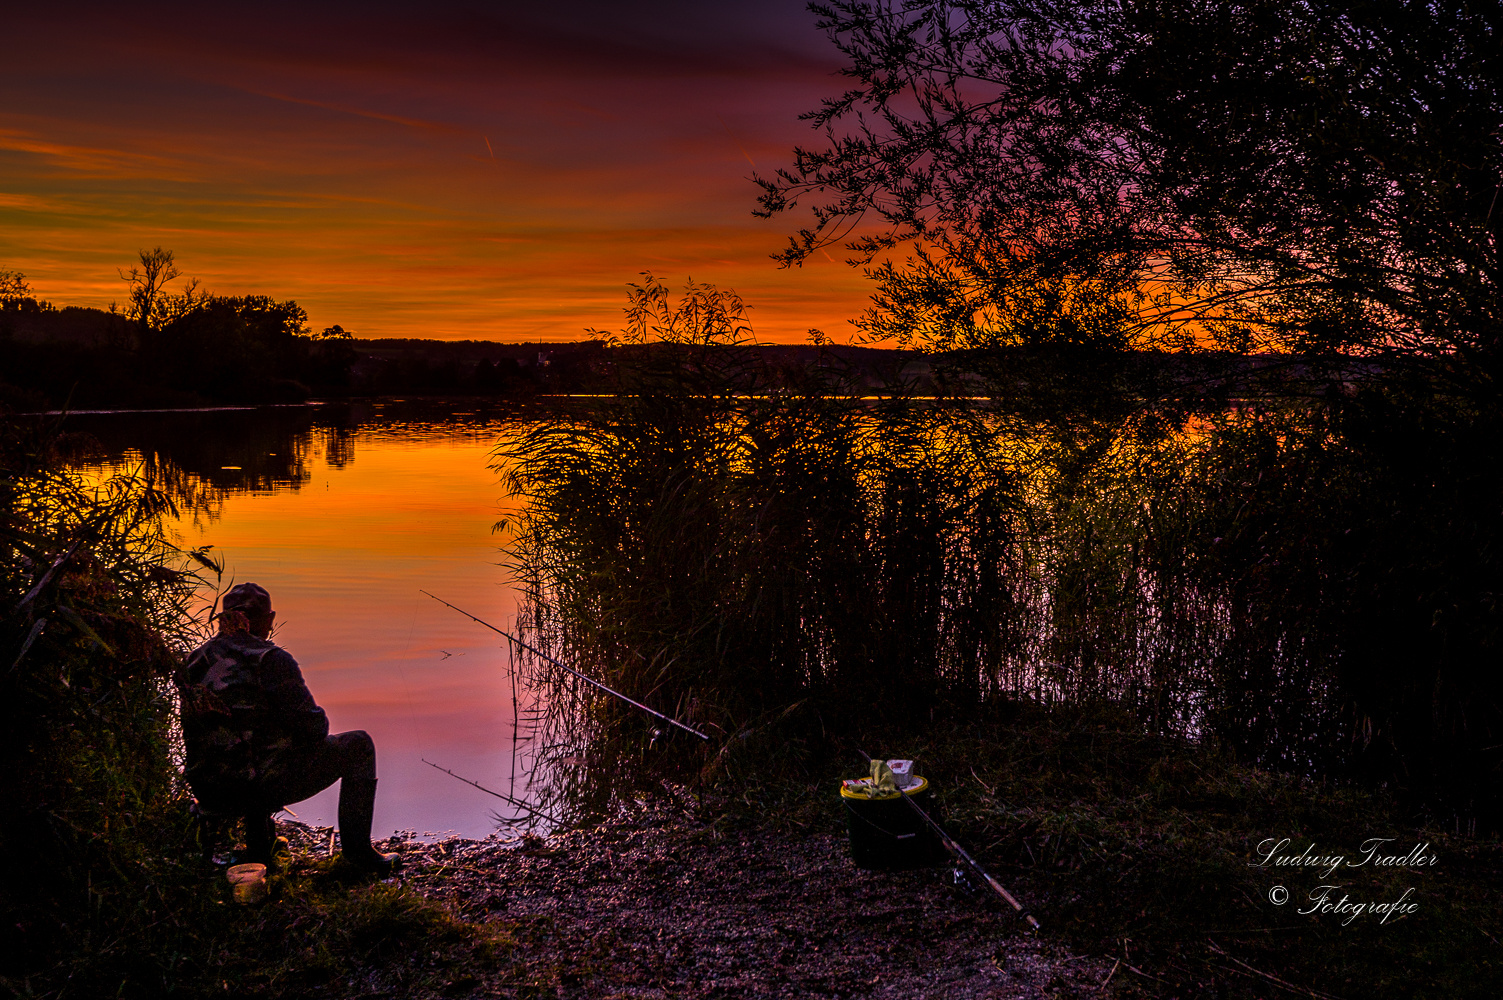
column 504, row 798
column 960, row 853
column 588, row 680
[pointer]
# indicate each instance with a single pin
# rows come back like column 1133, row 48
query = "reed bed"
column 1303, row 583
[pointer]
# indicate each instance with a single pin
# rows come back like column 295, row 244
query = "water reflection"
column 343, row 513
column 275, row 448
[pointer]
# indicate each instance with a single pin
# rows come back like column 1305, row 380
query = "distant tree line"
column 476, row 368
column 167, row 348
column 163, row 348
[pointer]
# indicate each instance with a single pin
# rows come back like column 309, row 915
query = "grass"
column 346, row 939
column 1132, row 839
column 166, row 925
column 1123, row 845
column 320, row 932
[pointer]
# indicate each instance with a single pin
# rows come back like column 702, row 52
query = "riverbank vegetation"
column 1304, row 582
column 1115, row 822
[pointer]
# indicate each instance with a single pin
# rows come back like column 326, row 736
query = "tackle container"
column 886, row 834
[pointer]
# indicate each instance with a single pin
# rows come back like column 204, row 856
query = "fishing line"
column 516, row 803
column 960, row 852
column 406, row 687
column 588, row 680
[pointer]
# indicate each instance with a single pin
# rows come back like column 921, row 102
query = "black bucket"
column 886, row 833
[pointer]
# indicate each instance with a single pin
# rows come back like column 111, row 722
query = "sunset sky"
column 490, row 170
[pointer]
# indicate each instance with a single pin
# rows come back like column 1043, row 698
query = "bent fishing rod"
column 960, row 853
column 588, row 680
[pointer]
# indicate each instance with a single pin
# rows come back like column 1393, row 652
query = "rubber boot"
column 262, row 844
column 357, row 805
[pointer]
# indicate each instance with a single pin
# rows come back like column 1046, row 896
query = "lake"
column 344, row 512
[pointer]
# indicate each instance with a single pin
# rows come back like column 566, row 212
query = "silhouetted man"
column 256, row 741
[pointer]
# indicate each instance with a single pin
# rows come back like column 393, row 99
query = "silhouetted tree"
column 16, row 296
column 234, row 347
column 13, row 288
column 150, row 304
column 1306, row 177
column 330, row 357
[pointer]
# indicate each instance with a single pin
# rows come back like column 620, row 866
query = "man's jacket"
column 247, row 715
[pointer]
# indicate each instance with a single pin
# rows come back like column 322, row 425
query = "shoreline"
column 172, row 409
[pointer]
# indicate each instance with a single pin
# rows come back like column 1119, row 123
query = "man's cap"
column 249, row 598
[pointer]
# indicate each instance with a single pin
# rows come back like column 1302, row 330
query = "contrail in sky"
column 736, row 141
